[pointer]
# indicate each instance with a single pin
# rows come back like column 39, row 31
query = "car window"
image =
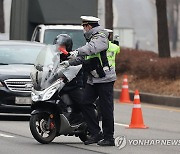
column 19, row 54
column 76, row 35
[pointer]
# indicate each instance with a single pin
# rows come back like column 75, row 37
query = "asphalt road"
column 162, row 136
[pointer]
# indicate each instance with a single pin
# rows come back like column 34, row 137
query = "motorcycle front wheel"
column 43, row 128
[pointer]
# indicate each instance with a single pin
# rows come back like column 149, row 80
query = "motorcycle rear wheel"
column 39, row 128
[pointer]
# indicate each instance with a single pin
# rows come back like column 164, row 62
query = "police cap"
column 109, row 30
column 89, row 20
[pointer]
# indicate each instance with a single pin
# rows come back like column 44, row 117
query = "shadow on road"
column 64, row 143
column 14, row 117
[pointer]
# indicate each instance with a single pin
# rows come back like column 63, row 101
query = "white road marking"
column 4, row 135
column 124, row 125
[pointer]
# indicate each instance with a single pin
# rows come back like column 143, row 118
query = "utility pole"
column 162, row 27
column 109, row 14
column 1, row 17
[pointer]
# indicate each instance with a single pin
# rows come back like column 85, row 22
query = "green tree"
column 1, row 17
column 162, row 28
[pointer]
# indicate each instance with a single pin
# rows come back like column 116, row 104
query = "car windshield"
column 76, row 35
column 18, row 54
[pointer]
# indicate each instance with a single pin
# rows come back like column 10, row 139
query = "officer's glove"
column 65, row 64
column 73, row 54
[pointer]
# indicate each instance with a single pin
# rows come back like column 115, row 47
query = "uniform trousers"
column 103, row 91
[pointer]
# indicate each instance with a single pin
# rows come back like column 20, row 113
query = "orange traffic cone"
column 124, row 97
column 137, row 118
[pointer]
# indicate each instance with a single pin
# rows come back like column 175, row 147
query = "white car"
column 47, row 33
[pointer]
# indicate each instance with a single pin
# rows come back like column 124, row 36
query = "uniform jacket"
column 113, row 50
column 97, row 41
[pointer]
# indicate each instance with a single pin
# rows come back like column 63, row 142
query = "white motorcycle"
column 51, row 111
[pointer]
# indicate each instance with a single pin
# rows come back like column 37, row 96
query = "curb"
column 152, row 98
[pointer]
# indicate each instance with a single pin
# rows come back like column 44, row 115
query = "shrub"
column 147, row 64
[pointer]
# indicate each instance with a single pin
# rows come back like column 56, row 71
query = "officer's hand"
column 65, row 64
column 73, row 54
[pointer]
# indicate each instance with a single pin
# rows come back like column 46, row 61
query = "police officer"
column 100, row 81
column 113, row 49
column 110, row 37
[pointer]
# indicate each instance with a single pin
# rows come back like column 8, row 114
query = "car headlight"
column 34, row 97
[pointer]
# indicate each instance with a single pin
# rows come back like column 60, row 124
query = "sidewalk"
column 152, row 98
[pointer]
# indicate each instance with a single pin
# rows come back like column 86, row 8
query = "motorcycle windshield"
column 45, row 67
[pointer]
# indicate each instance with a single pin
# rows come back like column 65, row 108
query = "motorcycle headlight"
column 49, row 93
column 1, row 85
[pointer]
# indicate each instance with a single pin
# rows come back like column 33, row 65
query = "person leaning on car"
column 100, row 82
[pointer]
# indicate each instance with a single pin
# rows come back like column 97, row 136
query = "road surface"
column 162, row 136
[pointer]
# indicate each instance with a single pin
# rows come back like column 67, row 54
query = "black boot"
column 106, row 142
column 94, row 139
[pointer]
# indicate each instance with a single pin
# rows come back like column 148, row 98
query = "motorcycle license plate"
column 23, row 100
